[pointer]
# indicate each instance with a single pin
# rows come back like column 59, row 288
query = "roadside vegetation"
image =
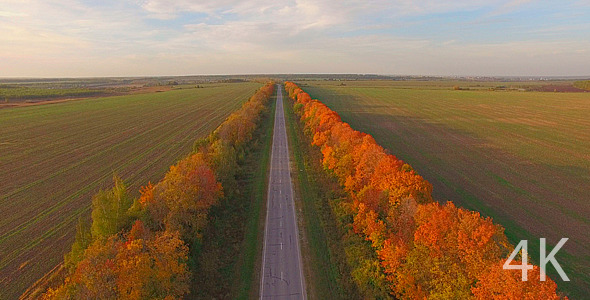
column 148, row 247
column 422, row 249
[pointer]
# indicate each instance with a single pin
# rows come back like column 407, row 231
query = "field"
column 520, row 157
column 54, row 157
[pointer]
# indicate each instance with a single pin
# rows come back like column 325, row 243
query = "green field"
column 522, row 158
column 54, row 157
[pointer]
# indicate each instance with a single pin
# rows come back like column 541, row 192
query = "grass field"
column 54, row 157
column 522, row 158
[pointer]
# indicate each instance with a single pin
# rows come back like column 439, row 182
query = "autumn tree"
column 224, row 160
column 152, row 210
column 189, row 189
column 139, row 265
column 152, row 268
column 498, row 283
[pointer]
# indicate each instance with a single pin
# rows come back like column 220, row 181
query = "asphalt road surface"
column 282, row 272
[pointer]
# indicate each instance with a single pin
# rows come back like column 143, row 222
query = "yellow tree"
column 189, row 189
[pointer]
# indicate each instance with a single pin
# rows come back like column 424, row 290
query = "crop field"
column 520, row 157
column 53, row 157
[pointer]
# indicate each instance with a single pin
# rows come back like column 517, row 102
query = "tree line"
column 584, row 85
column 423, row 249
column 142, row 248
column 18, row 92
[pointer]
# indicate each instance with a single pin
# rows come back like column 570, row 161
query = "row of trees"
column 585, row 85
column 423, row 249
column 19, row 92
column 141, row 248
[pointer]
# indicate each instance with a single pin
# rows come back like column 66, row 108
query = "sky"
column 80, row 38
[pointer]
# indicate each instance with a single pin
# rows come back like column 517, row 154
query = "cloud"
column 11, row 14
column 508, row 7
column 167, row 9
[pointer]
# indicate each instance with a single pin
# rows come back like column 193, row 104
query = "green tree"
column 82, row 241
column 109, row 210
column 224, row 162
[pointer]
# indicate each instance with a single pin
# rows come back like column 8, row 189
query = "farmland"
column 519, row 157
column 54, row 157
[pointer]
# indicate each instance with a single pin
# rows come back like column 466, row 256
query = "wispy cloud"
column 11, row 14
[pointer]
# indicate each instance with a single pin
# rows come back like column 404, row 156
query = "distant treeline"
column 145, row 248
column 422, row 249
column 585, row 85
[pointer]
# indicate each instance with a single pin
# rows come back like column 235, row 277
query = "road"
column 282, row 271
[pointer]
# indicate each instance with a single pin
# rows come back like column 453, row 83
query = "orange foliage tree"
column 497, row 283
column 137, row 265
column 189, row 189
